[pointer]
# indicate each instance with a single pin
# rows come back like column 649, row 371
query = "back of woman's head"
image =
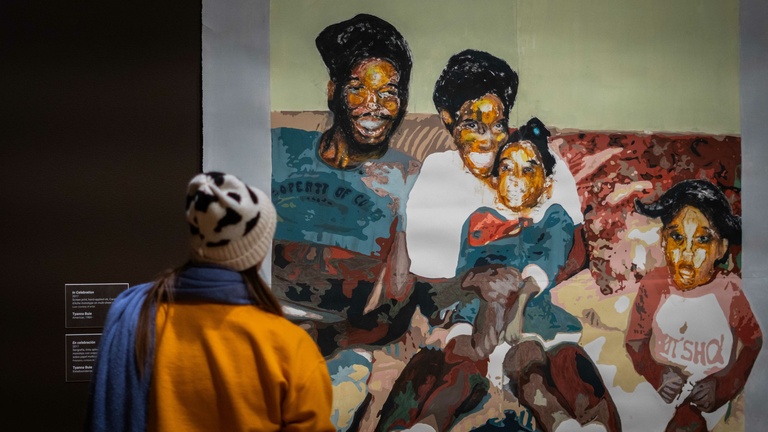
column 231, row 225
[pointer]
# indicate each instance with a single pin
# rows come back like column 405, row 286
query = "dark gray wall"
column 100, row 108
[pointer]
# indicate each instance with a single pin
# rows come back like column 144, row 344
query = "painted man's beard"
column 371, row 128
column 368, row 132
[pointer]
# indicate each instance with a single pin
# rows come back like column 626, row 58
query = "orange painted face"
column 372, row 100
column 480, row 130
column 522, row 179
column 691, row 246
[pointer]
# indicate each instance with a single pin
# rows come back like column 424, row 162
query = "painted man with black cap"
column 340, row 194
column 369, row 64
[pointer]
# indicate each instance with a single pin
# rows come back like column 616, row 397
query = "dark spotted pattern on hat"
column 252, row 223
column 230, row 218
column 218, row 243
column 194, row 230
column 218, row 177
column 203, row 200
column 254, row 198
column 234, row 196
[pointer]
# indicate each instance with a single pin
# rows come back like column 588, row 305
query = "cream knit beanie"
column 232, row 224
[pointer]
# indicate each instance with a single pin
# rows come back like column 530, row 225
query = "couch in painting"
column 611, row 170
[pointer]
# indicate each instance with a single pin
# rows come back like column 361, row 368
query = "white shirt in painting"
column 691, row 331
column 446, row 194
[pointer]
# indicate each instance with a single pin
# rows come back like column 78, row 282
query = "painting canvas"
column 514, row 215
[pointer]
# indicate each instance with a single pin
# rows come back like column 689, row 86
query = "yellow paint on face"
column 480, row 130
column 373, row 101
column 521, row 176
column 374, row 81
column 691, row 246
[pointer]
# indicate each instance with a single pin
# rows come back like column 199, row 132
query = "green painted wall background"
column 649, row 65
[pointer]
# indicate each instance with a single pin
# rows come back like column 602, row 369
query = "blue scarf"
column 119, row 394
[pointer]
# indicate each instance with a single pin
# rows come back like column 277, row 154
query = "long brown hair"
column 162, row 291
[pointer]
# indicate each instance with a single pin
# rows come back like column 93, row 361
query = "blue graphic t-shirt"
column 351, row 209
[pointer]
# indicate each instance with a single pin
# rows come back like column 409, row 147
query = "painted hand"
column 703, row 395
column 495, row 284
column 498, row 288
column 672, row 381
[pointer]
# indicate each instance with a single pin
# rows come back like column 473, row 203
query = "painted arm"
column 712, row 392
column 394, row 281
column 323, row 283
column 344, row 298
column 499, row 288
column 638, row 338
column 503, row 293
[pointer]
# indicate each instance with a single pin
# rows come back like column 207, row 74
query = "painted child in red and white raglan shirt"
column 692, row 333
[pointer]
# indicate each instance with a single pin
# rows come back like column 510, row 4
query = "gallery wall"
column 101, row 115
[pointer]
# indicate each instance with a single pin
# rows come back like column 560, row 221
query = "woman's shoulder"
column 134, row 294
column 283, row 331
column 440, row 164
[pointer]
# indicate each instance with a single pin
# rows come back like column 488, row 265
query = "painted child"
column 692, row 333
column 548, row 371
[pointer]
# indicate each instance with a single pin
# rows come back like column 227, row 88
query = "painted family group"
column 474, row 238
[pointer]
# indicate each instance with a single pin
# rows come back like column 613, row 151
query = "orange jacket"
column 235, row 368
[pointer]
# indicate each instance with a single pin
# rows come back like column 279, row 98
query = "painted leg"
column 544, row 402
column 687, row 418
column 514, row 315
column 578, row 381
column 525, row 365
column 436, row 388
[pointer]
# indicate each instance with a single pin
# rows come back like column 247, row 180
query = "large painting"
column 519, row 216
